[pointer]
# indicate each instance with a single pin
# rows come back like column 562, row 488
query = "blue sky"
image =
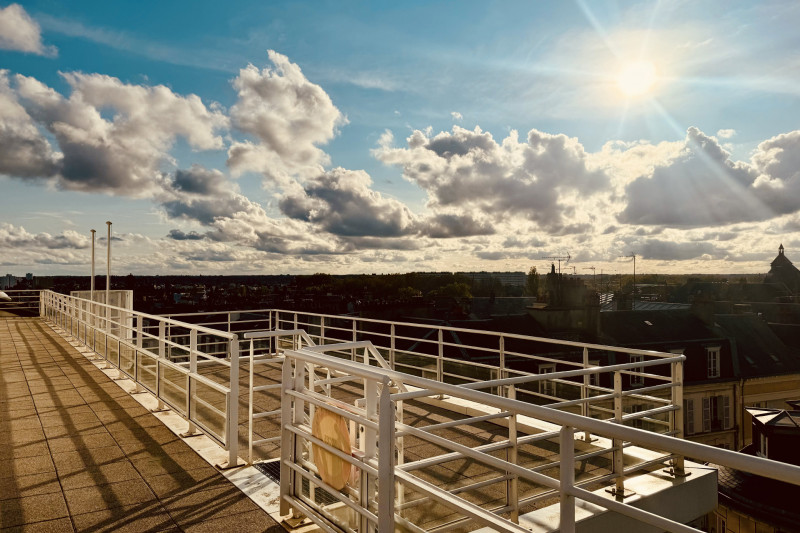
column 299, row 137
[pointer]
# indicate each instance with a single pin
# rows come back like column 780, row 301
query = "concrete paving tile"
column 61, row 525
column 58, row 419
column 22, row 436
column 252, row 521
column 74, row 442
column 100, row 475
column 19, row 486
column 125, row 520
column 154, row 435
column 29, row 509
column 28, row 422
column 25, row 449
column 70, row 428
column 97, row 498
column 195, row 507
column 70, row 462
column 196, row 480
column 24, row 466
column 166, row 464
column 141, row 451
column 13, row 412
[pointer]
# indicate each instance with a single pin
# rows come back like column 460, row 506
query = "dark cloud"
column 678, row 251
column 179, row 235
column 24, row 152
column 341, row 202
column 445, row 226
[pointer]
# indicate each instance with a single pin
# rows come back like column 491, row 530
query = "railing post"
column 585, row 393
column 567, row 479
column 322, row 330
column 355, row 338
column 368, row 439
column 617, row 444
column 287, row 437
column 677, row 415
column 192, row 430
column 391, row 347
column 233, row 410
column 502, row 375
column 440, row 358
column 161, row 336
column 512, row 485
column 386, row 451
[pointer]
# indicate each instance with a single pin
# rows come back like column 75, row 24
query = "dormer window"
column 712, row 358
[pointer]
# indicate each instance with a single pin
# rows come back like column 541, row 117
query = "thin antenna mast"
column 559, row 258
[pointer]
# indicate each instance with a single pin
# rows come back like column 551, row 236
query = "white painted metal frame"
column 296, row 466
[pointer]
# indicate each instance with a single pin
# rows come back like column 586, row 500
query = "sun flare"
column 637, row 78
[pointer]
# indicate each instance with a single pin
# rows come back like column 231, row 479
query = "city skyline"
column 251, row 138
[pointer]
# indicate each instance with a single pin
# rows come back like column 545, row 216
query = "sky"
column 250, row 137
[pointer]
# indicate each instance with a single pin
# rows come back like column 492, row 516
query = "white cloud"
column 538, row 180
column 456, row 115
column 18, row 31
column 125, row 154
column 726, row 134
column 16, row 237
column 288, row 115
column 24, row 152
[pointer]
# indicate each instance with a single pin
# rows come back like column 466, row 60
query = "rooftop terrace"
column 429, row 428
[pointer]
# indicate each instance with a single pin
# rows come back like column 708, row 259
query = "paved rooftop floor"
column 78, row 453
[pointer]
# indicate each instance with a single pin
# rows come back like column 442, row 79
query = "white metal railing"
column 461, row 356
column 203, row 388
column 386, row 492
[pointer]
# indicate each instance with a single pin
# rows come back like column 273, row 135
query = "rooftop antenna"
column 559, row 258
column 594, row 275
column 634, row 273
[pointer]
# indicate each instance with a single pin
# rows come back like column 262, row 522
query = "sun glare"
column 637, row 78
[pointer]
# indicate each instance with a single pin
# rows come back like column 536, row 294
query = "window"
column 547, row 387
column 712, row 357
column 636, row 379
column 688, row 416
column 720, row 524
column 716, row 413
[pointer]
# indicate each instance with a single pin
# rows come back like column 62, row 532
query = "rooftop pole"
column 91, row 284
column 108, row 273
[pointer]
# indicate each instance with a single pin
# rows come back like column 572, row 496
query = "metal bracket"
column 676, row 473
column 625, row 493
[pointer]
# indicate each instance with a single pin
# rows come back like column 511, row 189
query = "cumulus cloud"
column 468, row 169
column 678, row 251
column 341, row 202
column 456, row 115
column 287, row 114
column 19, row 32
column 125, row 154
column 202, row 195
column 24, row 152
column 178, row 235
column 16, row 237
column 444, row 226
column 701, row 187
column 726, row 134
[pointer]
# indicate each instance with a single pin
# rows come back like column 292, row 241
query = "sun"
column 637, row 78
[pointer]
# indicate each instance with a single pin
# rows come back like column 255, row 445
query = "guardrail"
column 203, row 388
column 22, row 302
column 651, row 382
column 373, row 489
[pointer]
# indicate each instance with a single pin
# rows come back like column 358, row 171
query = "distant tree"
column 532, row 283
column 453, row 290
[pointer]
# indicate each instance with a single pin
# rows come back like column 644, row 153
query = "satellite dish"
column 331, row 428
column 5, row 297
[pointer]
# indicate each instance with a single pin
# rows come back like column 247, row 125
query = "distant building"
column 8, row 281
column 512, row 279
column 783, row 272
column 749, row 503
